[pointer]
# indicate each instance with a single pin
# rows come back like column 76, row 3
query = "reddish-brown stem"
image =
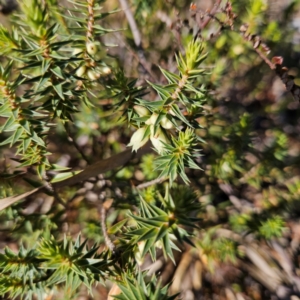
column 91, row 21
column 210, row 15
column 265, row 59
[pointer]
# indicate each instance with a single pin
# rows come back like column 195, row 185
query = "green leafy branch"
column 35, row 271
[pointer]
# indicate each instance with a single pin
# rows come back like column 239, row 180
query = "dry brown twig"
column 137, row 38
column 103, row 208
column 72, row 139
column 150, row 183
column 258, row 46
column 49, row 186
column 93, row 170
column 203, row 18
column 275, row 64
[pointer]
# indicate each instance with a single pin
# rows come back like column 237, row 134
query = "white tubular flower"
column 92, row 75
column 105, row 70
column 138, row 254
column 137, row 140
column 81, row 71
column 152, row 119
column 141, row 111
column 158, row 141
column 166, row 123
column 91, row 48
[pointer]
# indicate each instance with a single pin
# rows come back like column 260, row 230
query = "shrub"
column 187, row 155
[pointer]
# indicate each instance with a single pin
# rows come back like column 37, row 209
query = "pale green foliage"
column 177, row 149
column 142, row 289
column 217, row 249
column 54, row 73
column 272, row 227
column 36, row 271
column 8, row 41
column 41, row 59
column 61, row 78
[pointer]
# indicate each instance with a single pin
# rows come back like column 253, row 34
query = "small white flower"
column 141, row 246
column 106, row 70
column 137, row 140
column 91, row 48
column 166, row 123
column 152, row 119
column 141, row 111
column 158, row 140
column 81, row 71
column 138, row 254
column 92, row 75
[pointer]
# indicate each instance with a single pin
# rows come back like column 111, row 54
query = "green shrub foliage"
column 117, row 154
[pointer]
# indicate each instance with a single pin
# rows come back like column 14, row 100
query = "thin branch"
column 198, row 15
column 256, row 43
column 211, row 13
column 133, row 26
column 97, row 168
column 104, row 166
column 136, row 35
column 72, row 139
column 276, row 64
column 141, row 61
column 8, row 201
column 265, row 59
column 91, row 21
column 150, row 183
column 48, row 185
column 258, row 46
column 108, row 242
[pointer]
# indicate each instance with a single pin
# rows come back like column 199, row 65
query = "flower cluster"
column 88, row 67
column 153, row 130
